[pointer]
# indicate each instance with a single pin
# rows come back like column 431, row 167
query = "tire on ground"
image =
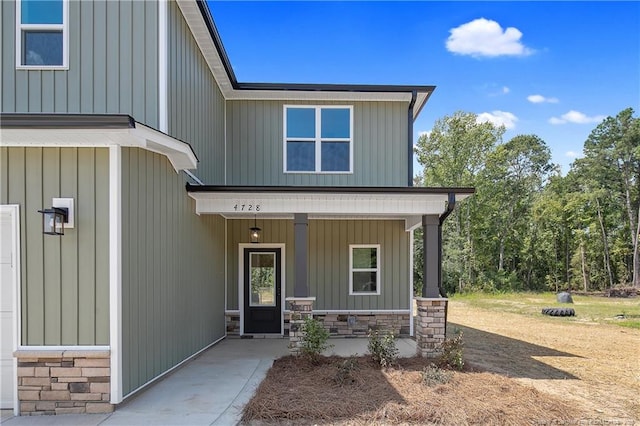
column 559, row 312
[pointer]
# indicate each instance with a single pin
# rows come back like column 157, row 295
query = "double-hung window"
column 42, row 34
column 318, row 139
column 364, row 269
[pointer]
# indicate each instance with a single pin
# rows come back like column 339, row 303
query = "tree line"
column 528, row 227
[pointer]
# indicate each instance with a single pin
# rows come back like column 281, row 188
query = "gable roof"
column 202, row 26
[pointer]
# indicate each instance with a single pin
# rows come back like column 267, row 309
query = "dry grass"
column 297, row 391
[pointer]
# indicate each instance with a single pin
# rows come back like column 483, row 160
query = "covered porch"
column 314, row 240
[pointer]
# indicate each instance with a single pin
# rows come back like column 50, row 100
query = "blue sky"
column 553, row 69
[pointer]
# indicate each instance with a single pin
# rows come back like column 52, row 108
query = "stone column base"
column 430, row 326
column 301, row 308
column 64, row 381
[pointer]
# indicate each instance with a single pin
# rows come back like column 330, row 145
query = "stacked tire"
column 559, row 312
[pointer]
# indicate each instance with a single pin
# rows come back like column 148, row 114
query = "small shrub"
column 434, row 375
column 382, row 346
column 344, row 375
column 314, row 339
column 452, row 351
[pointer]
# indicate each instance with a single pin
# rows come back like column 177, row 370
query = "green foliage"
column 314, row 340
column 434, row 375
column 528, row 227
column 382, row 346
column 452, row 356
column 346, row 370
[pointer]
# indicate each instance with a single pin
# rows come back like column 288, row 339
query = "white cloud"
column 576, row 117
column 424, row 133
column 483, row 37
column 499, row 118
column 538, row 99
column 505, row 90
column 572, row 154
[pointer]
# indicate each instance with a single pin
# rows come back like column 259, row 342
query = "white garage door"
column 8, row 278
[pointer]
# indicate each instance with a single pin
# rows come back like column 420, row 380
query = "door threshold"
column 262, row 336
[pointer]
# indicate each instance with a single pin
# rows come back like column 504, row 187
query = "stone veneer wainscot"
column 64, row 381
column 430, row 326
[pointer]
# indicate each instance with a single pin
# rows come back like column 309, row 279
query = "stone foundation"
column 64, row 382
column 430, row 326
column 232, row 321
column 348, row 324
column 358, row 325
column 300, row 309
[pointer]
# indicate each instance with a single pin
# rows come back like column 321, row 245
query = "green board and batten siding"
column 329, row 242
column 196, row 105
column 255, row 145
column 64, row 280
column 118, row 72
column 172, row 270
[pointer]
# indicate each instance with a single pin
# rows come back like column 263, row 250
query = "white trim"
column 316, row 205
column 317, row 139
column 354, row 311
column 115, row 271
column 65, row 38
column 226, row 266
column 431, row 299
column 84, row 348
column 163, row 66
column 411, row 248
column 193, row 177
column 225, row 141
column 283, row 279
column 201, row 34
column 377, row 270
column 179, row 153
column 14, row 212
column 303, row 299
column 172, row 368
column 232, row 312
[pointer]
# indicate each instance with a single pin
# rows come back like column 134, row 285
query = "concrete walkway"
column 209, row 390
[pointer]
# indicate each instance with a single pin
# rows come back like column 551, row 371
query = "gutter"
column 414, row 95
column 451, row 204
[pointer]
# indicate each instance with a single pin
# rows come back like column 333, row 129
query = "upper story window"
column 42, row 34
column 318, row 139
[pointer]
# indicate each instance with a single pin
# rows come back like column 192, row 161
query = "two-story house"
column 193, row 206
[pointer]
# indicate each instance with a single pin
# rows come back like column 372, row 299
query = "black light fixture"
column 53, row 220
column 255, row 232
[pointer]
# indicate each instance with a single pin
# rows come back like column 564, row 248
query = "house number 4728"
column 247, row 207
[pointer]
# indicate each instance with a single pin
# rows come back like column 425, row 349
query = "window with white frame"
column 364, row 269
column 318, row 139
column 42, row 34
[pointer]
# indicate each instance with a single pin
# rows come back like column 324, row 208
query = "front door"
column 262, row 297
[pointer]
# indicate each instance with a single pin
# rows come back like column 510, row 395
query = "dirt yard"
column 594, row 366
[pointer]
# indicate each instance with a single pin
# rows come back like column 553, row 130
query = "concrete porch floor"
column 209, row 390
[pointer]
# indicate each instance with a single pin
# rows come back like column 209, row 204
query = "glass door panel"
column 262, row 279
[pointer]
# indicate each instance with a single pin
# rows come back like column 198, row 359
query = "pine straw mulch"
column 298, row 391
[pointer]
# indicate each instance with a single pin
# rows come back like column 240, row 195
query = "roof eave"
column 232, row 89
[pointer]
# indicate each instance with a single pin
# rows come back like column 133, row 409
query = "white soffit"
column 200, row 32
column 179, row 153
column 321, row 205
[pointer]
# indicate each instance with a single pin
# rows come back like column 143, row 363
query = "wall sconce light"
column 58, row 217
column 53, row 220
column 255, row 232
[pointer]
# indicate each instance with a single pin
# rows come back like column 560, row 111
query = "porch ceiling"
column 406, row 203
